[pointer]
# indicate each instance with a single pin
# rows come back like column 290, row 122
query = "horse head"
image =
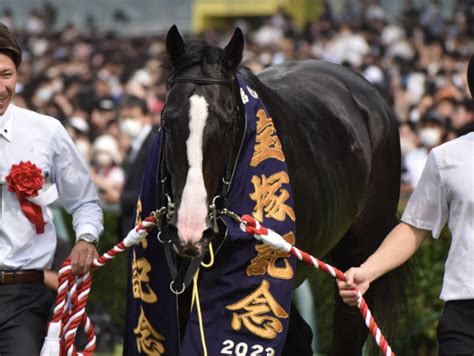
column 200, row 131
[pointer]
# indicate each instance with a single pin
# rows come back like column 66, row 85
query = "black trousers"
column 456, row 329
column 24, row 313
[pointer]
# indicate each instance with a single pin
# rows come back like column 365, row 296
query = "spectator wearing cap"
column 136, row 124
column 103, row 116
column 78, row 128
column 106, row 172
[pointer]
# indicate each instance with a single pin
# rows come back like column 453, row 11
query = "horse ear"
column 234, row 49
column 470, row 75
column 174, row 44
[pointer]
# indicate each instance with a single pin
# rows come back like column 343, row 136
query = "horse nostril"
column 190, row 251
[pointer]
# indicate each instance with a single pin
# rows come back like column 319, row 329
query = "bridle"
column 218, row 202
column 182, row 276
column 200, row 81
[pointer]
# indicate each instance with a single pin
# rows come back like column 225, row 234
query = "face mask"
column 430, row 137
column 131, row 127
column 103, row 159
column 44, row 94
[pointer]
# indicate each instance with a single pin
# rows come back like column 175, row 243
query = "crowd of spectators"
column 84, row 77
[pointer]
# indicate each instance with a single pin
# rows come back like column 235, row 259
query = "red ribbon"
column 25, row 179
column 34, row 213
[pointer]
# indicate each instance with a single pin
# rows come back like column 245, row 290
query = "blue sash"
column 244, row 297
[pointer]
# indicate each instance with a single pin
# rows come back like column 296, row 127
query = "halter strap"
column 183, row 273
column 200, row 81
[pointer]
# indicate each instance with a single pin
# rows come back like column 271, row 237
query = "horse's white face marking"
column 192, row 212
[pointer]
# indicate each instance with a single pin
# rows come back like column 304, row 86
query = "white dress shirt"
column 446, row 192
column 29, row 136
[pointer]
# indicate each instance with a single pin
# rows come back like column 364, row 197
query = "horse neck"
column 252, row 80
column 269, row 96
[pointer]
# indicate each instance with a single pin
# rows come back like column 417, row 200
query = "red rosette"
column 25, row 180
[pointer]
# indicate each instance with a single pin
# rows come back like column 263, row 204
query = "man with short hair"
column 38, row 164
column 136, row 125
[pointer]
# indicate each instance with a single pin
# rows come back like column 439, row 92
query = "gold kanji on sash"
column 266, row 261
column 138, row 220
column 149, row 341
column 254, row 312
column 140, row 286
column 267, row 144
column 270, row 197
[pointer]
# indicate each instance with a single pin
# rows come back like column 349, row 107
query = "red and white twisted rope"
column 276, row 241
column 71, row 301
column 70, row 307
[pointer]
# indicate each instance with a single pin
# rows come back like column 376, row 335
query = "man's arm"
column 399, row 245
column 79, row 197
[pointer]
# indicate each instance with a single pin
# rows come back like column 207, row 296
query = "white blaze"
column 192, row 212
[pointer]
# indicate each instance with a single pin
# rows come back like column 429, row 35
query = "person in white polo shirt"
column 444, row 193
column 38, row 164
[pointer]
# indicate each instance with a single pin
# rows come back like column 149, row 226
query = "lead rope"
column 195, row 298
column 251, row 226
column 71, row 301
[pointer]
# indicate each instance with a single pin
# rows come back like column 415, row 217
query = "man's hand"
column 355, row 278
column 82, row 256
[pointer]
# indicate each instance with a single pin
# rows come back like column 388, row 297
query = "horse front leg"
column 299, row 338
column 349, row 329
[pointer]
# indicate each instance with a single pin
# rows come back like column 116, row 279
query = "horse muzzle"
column 186, row 249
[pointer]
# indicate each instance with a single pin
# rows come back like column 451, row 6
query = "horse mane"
column 210, row 59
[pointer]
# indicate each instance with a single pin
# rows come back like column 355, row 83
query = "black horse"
column 341, row 144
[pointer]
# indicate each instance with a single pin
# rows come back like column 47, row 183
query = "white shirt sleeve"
column 77, row 193
column 428, row 206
